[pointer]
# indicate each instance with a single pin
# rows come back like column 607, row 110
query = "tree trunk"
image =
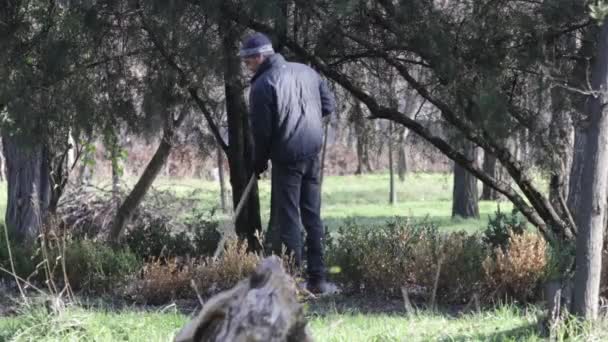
column 2, row 164
column 465, row 195
column 402, row 155
column 591, row 218
column 222, row 178
column 29, row 188
column 489, row 167
column 576, row 171
column 114, row 146
column 362, row 140
column 263, row 308
column 391, row 168
column 249, row 222
column 154, row 167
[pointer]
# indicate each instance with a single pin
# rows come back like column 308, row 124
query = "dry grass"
column 163, row 280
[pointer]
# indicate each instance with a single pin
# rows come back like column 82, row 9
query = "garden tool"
column 230, row 227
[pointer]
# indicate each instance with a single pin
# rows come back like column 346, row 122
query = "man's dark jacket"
column 287, row 102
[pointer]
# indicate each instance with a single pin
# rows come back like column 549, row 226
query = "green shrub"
column 499, row 226
column 96, row 267
column 382, row 259
column 22, row 258
column 156, row 237
column 379, row 258
column 205, row 234
column 461, row 257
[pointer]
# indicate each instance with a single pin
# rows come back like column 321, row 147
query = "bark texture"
column 29, row 188
column 240, row 148
column 489, row 167
column 465, row 197
column 259, row 309
column 591, row 217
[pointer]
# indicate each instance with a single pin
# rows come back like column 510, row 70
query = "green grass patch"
column 364, row 198
column 506, row 323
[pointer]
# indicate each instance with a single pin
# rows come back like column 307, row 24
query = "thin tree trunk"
column 465, row 198
column 2, row 164
column 29, row 190
column 115, row 159
column 489, row 167
column 249, row 223
column 391, row 167
column 591, row 219
column 220, row 166
column 154, row 167
column 402, row 155
column 362, row 135
column 324, row 152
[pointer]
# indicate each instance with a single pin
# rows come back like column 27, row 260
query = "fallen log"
column 261, row 308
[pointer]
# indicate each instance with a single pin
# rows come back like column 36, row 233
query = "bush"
column 96, row 267
column 377, row 259
column 517, row 271
column 153, row 238
column 461, row 257
column 234, row 265
column 163, row 280
column 500, row 226
column 22, row 258
column 91, row 266
column 205, row 234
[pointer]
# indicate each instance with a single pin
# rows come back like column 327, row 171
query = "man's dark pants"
column 296, row 202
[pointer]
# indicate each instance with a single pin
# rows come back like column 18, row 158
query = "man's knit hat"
column 255, row 44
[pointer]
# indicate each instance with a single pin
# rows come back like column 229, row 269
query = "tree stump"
column 261, row 308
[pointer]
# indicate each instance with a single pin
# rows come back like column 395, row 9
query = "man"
column 287, row 104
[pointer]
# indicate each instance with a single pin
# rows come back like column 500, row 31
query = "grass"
column 506, row 323
column 81, row 325
column 364, row 198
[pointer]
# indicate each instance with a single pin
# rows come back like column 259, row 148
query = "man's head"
column 255, row 49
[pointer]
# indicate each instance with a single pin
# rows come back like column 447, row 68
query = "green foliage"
column 497, row 231
column 560, row 260
column 22, row 258
column 383, row 258
column 204, row 232
column 155, row 237
column 90, row 265
column 377, row 258
column 461, row 264
column 96, row 267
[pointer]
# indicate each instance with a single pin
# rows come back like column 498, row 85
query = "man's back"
column 289, row 99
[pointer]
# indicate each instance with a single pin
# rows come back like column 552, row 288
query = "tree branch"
column 185, row 82
column 391, row 114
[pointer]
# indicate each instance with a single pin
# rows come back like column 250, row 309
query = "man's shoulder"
column 301, row 67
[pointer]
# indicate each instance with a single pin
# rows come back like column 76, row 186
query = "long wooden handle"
column 243, row 198
column 237, row 211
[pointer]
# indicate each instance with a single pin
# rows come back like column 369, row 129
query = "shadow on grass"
column 522, row 333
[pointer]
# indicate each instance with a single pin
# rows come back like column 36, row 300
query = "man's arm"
column 261, row 104
column 328, row 102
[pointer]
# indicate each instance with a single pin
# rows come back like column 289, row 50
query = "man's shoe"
column 322, row 288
